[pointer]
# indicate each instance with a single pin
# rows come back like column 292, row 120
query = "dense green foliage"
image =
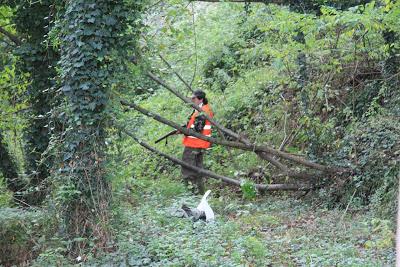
column 38, row 58
column 318, row 80
column 23, row 234
column 275, row 230
column 373, row 145
column 252, row 73
column 91, row 38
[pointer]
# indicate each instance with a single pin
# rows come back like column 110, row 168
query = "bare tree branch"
column 176, row 73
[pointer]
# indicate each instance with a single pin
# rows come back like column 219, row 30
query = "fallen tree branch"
column 248, row 144
column 220, row 128
column 196, row 107
column 273, row 161
column 248, row 147
column 260, row 187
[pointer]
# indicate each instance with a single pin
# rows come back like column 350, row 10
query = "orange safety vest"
column 194, row 142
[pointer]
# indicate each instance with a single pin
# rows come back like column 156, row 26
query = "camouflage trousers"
column 193, row 156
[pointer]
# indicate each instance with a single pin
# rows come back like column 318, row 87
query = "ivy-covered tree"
column 33, row 20
column 92, row 35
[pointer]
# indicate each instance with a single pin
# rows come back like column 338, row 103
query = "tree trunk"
column 91, row 35
column 39, row 60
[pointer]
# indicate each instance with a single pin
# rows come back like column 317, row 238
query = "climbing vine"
column 38, row 58
column 93, row 34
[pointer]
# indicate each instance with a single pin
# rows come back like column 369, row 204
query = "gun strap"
column 191, row 114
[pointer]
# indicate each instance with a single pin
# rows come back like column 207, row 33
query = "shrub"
column 22, row 233
column 372, row 148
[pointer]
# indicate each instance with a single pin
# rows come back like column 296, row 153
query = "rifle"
column 167, row 135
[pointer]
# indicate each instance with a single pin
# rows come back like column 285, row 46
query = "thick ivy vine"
column 92, row 39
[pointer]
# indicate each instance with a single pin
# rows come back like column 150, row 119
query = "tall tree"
column 33, row 21
column 91, row 38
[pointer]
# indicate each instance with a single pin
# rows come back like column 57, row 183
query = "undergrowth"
column 272, row 230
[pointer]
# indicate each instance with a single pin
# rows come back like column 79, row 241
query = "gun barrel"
column 168, row 134
column 165, row 136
